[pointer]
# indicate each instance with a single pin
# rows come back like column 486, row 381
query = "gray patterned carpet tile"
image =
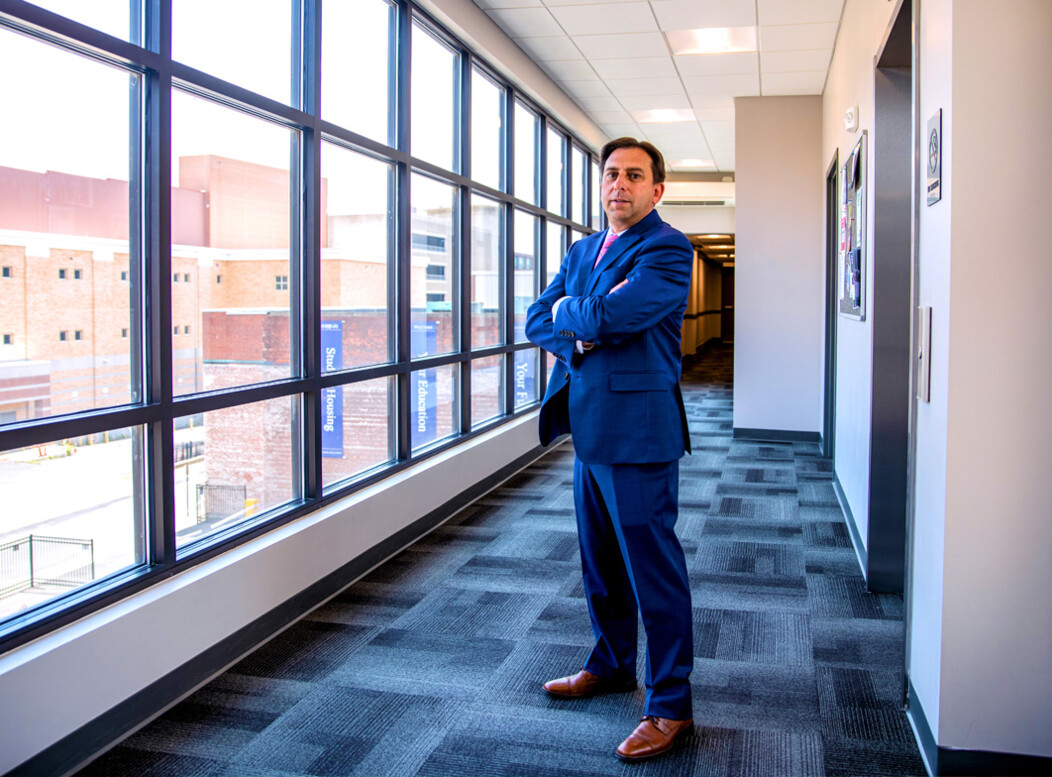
column 432, row 664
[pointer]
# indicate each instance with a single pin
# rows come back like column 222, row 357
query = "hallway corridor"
column 432, row 664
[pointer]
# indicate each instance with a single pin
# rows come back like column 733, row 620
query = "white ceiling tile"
column 713, row 102
column 694, row 14
column 653, row 102
column 724, row 86
column 717, row 64
column 640, row 44
column 798, row 37
column 490, row 4
column 621, row 130
column 636, row 67
column 556, row 3
column 568, row 69
column 605, row 19
column 680, row 132
column 794, row 61
column 793, row 83
column 714, row 128
column 798, row 11
column 591, row 87
column 630, row 87
column 590, row 104
column 714, row 112
column 525, row 22
column 611, row 117
column 550, row 47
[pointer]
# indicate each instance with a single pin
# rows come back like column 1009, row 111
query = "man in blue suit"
column 612, row 317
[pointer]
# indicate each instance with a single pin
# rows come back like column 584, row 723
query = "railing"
column 35, row 562
column 191, row 449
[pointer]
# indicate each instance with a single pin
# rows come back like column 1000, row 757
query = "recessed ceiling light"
column 724, row 236
column 663, row 115
column 692, row 163
column 712, row 40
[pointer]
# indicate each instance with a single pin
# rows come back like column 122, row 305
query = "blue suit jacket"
column 621, row 400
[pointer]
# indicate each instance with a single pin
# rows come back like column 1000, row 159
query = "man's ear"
column 659, row 191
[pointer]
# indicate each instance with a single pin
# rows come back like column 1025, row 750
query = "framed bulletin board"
column 853, row 233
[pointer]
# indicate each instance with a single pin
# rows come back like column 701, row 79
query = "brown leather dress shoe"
column 653, row 736
column 584, row 683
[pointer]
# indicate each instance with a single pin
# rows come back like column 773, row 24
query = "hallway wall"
column 995, row 377
column 778, row 264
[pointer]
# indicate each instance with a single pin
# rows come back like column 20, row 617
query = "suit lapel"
column 629, row 238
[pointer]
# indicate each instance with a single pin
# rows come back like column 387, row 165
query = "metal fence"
column 36, row 562
column 217, row 502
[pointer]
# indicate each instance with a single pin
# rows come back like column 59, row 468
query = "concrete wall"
column 778, row 264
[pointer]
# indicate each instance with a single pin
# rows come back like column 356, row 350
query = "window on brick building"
column 5, row 272
column 381, row 302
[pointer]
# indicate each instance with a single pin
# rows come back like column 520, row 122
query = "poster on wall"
column 852, row 262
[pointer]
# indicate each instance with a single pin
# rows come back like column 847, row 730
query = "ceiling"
column 625, row 63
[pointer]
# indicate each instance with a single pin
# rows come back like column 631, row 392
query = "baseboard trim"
column 75, row 750
column 775, row 435
column 955, row 762
column 852, row 526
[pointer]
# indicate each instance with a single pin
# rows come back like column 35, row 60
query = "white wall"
column 778, row 263
column 849, row 84
column 997, row 624
column 66, row 679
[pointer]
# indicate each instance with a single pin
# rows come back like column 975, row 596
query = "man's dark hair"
column 657, row 162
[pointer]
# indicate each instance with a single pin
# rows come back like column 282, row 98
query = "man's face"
column 629, row 192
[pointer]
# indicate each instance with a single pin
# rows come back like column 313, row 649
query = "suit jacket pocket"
column 639, row 381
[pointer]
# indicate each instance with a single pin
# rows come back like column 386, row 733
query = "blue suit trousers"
column 631, row 558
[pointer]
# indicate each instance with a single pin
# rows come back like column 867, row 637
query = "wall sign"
column 934, row 154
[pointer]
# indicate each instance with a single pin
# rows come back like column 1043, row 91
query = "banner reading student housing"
column 332, row 398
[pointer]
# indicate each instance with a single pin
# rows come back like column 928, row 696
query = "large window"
column 252, row 277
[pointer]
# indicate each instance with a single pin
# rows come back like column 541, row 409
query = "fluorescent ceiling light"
column 712, row 40
column 692, row 163
column 663, row 115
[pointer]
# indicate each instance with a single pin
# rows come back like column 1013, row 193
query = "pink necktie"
column 610, row 238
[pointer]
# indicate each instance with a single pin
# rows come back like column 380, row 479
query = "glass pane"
column 55, row 539
column 231, row 263
column 526, row 124
column 66, row 212
column 526, row 377
column 555, row 251
column 525, row 269
column 119, row 18
column 597, row 206
column 486, row 130
column 347, row 99
column 432, row 267
column 211, row 36
column 556, row 146
column 241, row 463
column 357, row 431
column 356, row 259
column 487, row 268
column 579, row 213
column 433, row 86
column 431, row 405
column 487, row 389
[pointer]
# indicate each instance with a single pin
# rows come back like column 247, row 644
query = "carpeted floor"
column 432, row 664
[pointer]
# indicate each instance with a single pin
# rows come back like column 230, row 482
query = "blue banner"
column 423, row 388
column 332, row 398
column 525, row 365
